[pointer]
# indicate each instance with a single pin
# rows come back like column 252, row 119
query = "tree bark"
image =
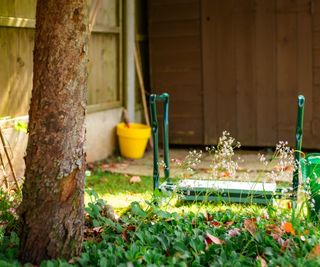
column 51, row 212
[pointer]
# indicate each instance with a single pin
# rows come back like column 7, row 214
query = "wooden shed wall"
column 254, row 56
column 175, row 54
column 17, row 22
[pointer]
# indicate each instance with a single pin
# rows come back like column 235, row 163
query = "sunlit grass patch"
column 117, row 190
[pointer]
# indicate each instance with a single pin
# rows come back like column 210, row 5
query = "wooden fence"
column 17, row 23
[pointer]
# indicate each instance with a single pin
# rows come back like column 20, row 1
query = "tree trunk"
column 51, row 212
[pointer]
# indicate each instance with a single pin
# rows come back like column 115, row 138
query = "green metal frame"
column 155, row 135
column 233, row 192
column 299, row 135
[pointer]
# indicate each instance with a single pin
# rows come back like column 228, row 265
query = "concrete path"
column 250, row 168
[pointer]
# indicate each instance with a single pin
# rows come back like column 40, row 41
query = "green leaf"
column 96, row 223
column 137, row 210
column 103, row 262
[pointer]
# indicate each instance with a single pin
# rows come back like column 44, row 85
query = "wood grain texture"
column 265, row 72
column 246, row 95
column 226, row 69
column 176, row 63
column 287, row 48
column 315, row 128
column 209, row 70
column 105, row 52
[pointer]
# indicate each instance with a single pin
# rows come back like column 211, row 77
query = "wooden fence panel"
column 16, row 70
column 17, row 22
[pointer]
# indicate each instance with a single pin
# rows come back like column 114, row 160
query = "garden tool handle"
column 299, row 135
column 155, row 135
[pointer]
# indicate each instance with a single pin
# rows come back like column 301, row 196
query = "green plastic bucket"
column 310, row 168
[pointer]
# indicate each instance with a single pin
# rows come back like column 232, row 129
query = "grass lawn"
column 117, row 190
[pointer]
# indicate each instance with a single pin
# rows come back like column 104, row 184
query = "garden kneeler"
column 208, row 189
column 193, row 189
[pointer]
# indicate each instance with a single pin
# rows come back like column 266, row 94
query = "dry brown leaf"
column 213, row 239
column 208, row 217
column 215, row 223
column 315, row 252
column 98, row 229
column 234, row 232
column 287, row 243
column 274, row 229
column 105, row 167
column 228, row 223
column 288, row 228
column 263, row 262
column 121, row 165
column 251, row 226
column 135, row 179
column 225, row 174
column 289, row 205
column 289, row 168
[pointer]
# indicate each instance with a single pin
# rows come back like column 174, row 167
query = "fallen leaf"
column 215, row 223
column 71, row 261
column 90, row 166
column 277, row 168
column 287, row 243
column 274, row 229
column 228, row 223
column 105, row 167
column 225, row 174
column 121, row 165
column 186, row 175
column 234, row 232
column 288, row 168
column 135, row 179
column 131, row 228
column 125, row 235
column 315, row 252
column 251, row 226
column 213, row 239
column 98, row 229
column 208, row 217
column 288, row 228
column 263, row 262
column 278, row 238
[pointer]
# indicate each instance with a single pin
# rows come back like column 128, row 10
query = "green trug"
column 311, row 175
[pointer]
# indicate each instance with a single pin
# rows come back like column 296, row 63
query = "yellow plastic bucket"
column 133, row 140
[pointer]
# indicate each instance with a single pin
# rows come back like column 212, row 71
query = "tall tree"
column 51, row 212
